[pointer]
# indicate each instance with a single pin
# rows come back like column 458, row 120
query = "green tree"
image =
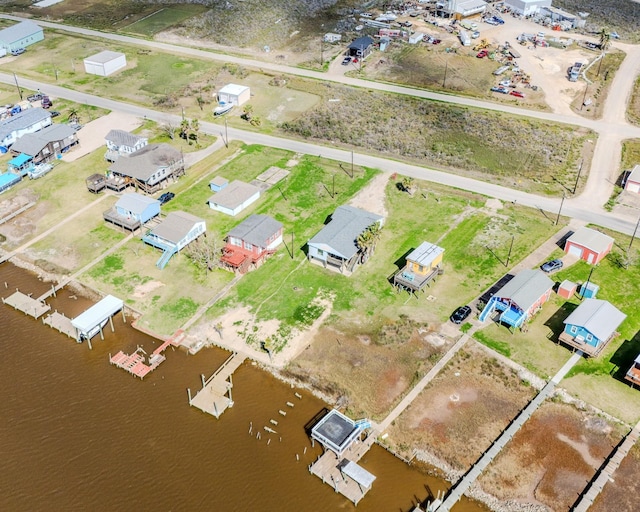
column 605, row 39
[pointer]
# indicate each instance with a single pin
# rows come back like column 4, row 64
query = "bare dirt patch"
column 621, row 493
column 474, row 397
column 552, row 457
column 142, row 290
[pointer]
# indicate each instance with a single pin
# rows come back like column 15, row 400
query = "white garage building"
column 527, row 7
column 105, row 63
column 234, row 94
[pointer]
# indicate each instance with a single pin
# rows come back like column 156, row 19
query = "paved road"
column 613, row 128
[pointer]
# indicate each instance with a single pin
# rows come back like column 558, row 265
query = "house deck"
column 112, row 215
column 633, row 375
column 407, row 280
column 27, row 304
column 584, row 347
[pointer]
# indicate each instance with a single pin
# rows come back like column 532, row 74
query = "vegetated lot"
column 163, row 18
column 473, row 397
column 598, row 381
column 633, row 110
column 552, row 457
column 496, row 147
column 621, row 492
column 601, row 76
column 616, row 15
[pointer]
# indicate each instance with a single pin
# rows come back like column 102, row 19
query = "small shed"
column 234, row 198
column 105, row 63
column 91, row 322
column 589, row 245
column 588, row 290
column 567, row 289
column 234, row 94
column 218, row 183
column 591, row 326
column 632, row 184
column 416, row 37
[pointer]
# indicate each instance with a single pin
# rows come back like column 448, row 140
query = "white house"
column 235, row 94
column 234, row 198
column 175, row 232
column 332, row 37
column 416, row 38
column 120, row 142
column 527, row 7
column 105, row 63
column 27, row 121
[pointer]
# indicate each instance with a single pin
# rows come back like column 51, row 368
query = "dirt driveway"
column 92, row 134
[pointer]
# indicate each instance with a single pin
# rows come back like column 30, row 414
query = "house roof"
column 361, row 43
column 469, row 5
column 233, row 89
column 176, row 226
column 219, row 181
column 123, row 138
column 526, row 288
column 346, row 224
column 32, row 143
column 134, row 202
column 97, row 313
column 104, row 57
column 599, row 317
column 234, row 194
column 635, row 174
column 146, row 161
column 19, row 31
column 256, row 229
column 425, row 254
column 22, row 120
column 19, row 160
column 591, row 239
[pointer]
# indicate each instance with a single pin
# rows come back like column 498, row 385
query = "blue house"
column 591, row 326
column 176, row 231
column 520, row 298
column 20, row 35
column 132, row 211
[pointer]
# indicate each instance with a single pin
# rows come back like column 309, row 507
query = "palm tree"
column 195, row 127
column 185, row 127
column 605, row 39
column 407, row 184
column 367, row 240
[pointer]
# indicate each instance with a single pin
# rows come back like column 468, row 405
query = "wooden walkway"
column 456, row 492
column 212, row 398
column 60, row 323
column 28, row 305
column 606, row 473
column 136, row 363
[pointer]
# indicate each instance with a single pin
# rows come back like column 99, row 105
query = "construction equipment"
column 484, row 43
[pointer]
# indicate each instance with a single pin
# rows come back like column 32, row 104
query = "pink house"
column 633, row 180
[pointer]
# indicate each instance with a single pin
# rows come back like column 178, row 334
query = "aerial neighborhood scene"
column 317, row 255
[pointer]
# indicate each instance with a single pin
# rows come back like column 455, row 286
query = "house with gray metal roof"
column 591, row 326
column 150, row 167
column 46, row 144
column 234, row 197
column 132, row 210
column 175, row 232
column 251, row 242
column 589, row 245
column 121, row 142
column 422, row 266
column 27, row 121
column 335, row 245
column 519, row 299
column 20, row 35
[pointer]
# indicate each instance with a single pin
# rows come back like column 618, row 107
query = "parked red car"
column 517, row 94
column 482, row 54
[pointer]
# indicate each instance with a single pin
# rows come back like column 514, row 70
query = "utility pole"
column 444, row 80
column 510, row 248
column 226, row 134
column 634, row 233
column 19, row 91
column 586, row 285
column 560, row 210
column 352, row 164
column 575, row 187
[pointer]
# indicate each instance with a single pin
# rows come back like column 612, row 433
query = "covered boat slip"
column 91, row 322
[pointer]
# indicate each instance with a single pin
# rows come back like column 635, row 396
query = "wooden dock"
column 60, row 323
column 27, row 304
column 136, row 363
column 215, row 396
column 328, row 467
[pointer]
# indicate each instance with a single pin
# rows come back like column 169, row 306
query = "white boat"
column 222, row 109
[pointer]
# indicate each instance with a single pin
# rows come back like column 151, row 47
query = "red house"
column 589, row 245
column 250, row 242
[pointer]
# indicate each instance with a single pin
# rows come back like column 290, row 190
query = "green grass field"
column 163, row 19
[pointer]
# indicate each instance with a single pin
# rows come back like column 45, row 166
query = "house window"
column 248, row 246
column 589, row 337
column 420, row 268
column 574, row 329
column 320, row 252
column 235, row 241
